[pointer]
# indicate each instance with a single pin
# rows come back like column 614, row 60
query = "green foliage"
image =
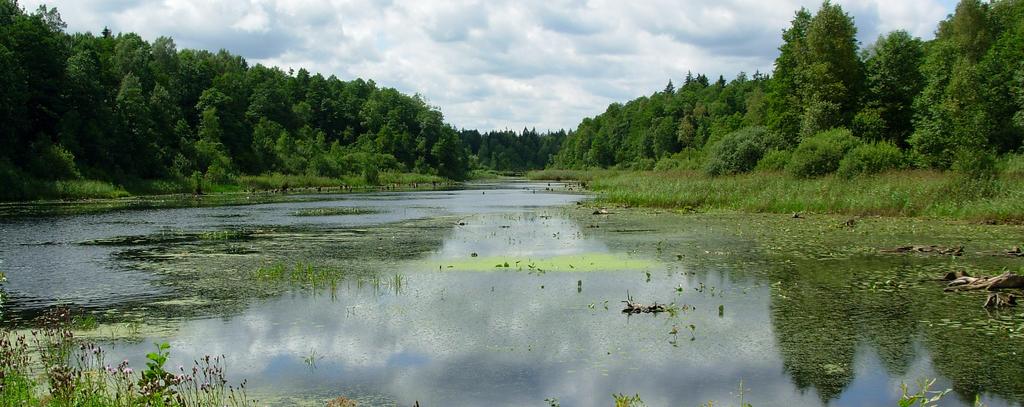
column 821, row 154
column 774, row 160
column 622, row 400
column 116, row 108
column 894, row 80
column 645, row 131
column 737, row 152
column 509, row 151
column 924, row 397
column 871, row 158
column 688, row 159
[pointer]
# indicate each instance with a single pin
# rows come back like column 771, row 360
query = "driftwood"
column 633, row 307
column 1002, row 281
column 953, row 251
column 999, row 300
column 961, row 281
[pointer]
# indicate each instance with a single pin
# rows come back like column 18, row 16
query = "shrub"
column 871, row 158
column 978, row 164
column 53, row 162
column 821, row 154
column 736, row 152
column 774, row 160
column 869, row 125
column 688, row 159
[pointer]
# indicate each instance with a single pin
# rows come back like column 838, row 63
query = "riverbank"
column 912, row 193
column 79, row 189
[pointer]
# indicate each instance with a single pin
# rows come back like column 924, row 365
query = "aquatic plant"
column 311, row 358
column 3, row 279
column 300, row 273
column 85, row 323
column 222, row 235
column 51, row 367
column 335, row 211
column 924, row 397
column 622, row 400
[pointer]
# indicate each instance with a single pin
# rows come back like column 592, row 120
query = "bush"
column 869, row 125
column 688, row 159
column 736, row 152
column 977, row 164
column 53, row 162
column 821, row 154
column 774, row 160
column 871, row 158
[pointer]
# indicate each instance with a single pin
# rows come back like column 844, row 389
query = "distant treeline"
column 116, row 108
column 511, row 151
column 953, row 102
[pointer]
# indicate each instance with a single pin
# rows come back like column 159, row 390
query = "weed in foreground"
column 50, row 367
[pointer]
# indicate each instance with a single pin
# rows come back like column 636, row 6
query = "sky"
column 498, row 64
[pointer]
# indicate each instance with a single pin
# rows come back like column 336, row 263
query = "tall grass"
column 50, row 367
column 901, row 193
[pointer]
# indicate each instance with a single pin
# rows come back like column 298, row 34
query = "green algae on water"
column 589, row 262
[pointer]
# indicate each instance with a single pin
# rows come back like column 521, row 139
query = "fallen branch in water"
column 1002, row 281
column 952, row 251
column 633, row 307
column 961, row 281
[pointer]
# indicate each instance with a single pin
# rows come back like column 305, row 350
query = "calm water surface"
column 448, row 327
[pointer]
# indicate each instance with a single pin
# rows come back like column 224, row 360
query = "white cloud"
column 496, row 64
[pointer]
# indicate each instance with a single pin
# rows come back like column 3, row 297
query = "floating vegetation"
column 335, row 211
column 223, row 235
column 589, row 262
column 300, row 273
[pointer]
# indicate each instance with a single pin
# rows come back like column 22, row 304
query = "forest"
column 119, row 109
column 508, row 151
column 832, row 106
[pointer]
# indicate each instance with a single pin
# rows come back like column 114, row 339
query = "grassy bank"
column 901, row 193
column 31, row 189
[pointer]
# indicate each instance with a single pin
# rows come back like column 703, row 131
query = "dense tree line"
column 954, row 101
column 117, row 107
column 510, row 151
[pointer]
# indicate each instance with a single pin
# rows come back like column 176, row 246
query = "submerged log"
column 636, row 308
column 953, row 251
column 633, row 307
column 1002, row 281
column 999, row 300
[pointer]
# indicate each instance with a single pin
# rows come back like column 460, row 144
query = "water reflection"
column 448, row 327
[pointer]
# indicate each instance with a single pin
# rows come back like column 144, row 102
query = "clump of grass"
column 622, row 400
column 334, row 211
column 300, row 273
column 85, row 323
column 222, row 235
column 51, row 367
